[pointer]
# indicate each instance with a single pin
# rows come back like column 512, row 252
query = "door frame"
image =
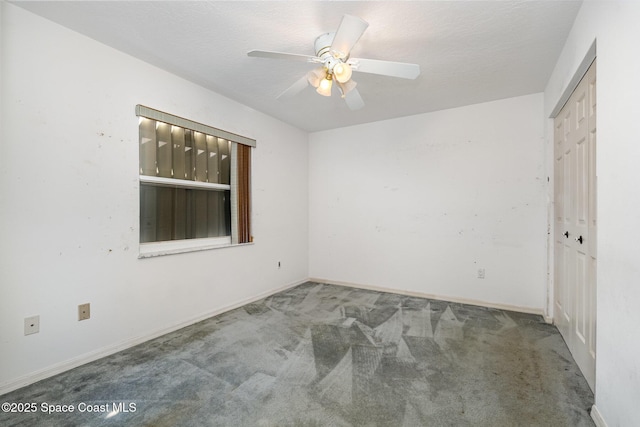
column 582, row 69
column 552, row 316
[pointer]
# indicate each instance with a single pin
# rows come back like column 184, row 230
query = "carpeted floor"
column 323, row 355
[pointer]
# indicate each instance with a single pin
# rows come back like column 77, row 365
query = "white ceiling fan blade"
column 294, row 89
column 347, row 35
column 354, row 100
column 283, row 55
column 385, row 68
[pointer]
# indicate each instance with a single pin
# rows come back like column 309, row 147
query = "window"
column 194, row 185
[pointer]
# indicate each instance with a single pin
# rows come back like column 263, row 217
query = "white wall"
column 614, row 25
column 419, row 204
column 69, row 202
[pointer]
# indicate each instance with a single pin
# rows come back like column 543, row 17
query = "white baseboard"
column 507, row 307
column 109, row 350
column 596, row 416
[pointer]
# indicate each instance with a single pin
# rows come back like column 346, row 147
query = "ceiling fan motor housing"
column 323, row 51
column 323, row 45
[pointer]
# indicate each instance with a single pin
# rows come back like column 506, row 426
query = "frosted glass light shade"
column 324, row 88
column 347, row 87
column 342, row 72
column 315, row 76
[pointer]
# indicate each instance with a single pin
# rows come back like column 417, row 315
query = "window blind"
column 161, row 116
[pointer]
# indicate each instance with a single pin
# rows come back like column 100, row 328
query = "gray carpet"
column 323, row 355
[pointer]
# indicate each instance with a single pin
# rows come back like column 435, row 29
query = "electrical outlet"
column 481, row 273
column 84, row 311
column 31, row 325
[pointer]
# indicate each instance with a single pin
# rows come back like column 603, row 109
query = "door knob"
column 566, row 234
column 579, row 239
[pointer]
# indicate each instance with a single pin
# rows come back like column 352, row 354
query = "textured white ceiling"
column 468, row 51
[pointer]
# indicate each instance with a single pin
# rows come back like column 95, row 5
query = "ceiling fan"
column 336, row 66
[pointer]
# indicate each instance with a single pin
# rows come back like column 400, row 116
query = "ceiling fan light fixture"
column 347, row 87
column 333, row 52
column 342, row 72
column 324, row 88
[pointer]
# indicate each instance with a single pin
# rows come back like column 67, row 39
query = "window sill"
column 155, row 249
